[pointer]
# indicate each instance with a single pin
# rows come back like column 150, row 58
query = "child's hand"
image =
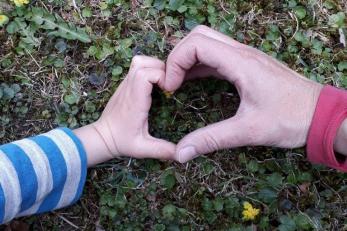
column 123, row 126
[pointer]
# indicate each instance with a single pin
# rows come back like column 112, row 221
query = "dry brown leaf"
column 304, row 187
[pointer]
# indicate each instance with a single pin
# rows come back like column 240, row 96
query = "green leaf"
column 168, row 179
column 232, row 207
column 182, row 9
column 275, row 179
column 71, row 99
column 169, row 211
column 342, row 66
column 9, row 93
column 218, row 204
column 58, row 63
column 302, row 222
column 210, row 217
column 344, row 81
column 61, row 46
column 292, row 3
column 317, row 47
column 92, row 50
column 12, row 27
column 87, row 12
column 147, row 3
column 267, row 195
column 300, row 12
column 287, row 224
column 175, row 4
column 304, row 177
column 27, row 31
column 159, row 227
column 337, row 20
column 16, row 88
column 103, row 5
column 252, row 166
column 89, row 106
column 302, row 38
column 273, row 33
column 116, row 71
column 264, row 223
column 190, row 23
column 207, row 168
column 58, row 26
column 206, row 204
column 97, row 79
column 159, row 4
column 329, row 4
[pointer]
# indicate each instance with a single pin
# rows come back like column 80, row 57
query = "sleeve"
column 41, row 173
column 330, row 112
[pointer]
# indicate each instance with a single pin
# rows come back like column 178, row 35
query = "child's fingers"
column 141, row 61
column 156, row 148
column 139, row 83
column 143, row 80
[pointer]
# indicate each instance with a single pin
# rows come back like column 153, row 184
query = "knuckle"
column 211, row 143
column 137, row 73
column 247, row 54
column 136, row 61
column 200, row 29
column 194, row 37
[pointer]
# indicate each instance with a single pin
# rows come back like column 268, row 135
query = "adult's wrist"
column 94, row 144
column 340, row 142
column 325, row 140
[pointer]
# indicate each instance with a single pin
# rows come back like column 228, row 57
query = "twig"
column 297, row 25
column 69, row 222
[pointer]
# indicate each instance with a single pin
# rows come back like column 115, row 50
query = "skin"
column 340, row 144
column 277, row 104
column 276, row 109
column 122, row 129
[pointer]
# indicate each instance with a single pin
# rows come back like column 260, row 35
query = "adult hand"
column 122, row 129
column 277, row 104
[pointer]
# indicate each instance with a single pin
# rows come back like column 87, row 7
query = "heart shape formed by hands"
column 276, row 109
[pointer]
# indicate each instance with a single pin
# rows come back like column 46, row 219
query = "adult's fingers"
column 202, row 71
column 174, row 77
column 213, row 34
column 196, row 49
column 229, row 133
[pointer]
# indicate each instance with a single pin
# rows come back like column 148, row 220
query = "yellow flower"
column 249, row 213
column 168, row 94
column 20, row 3
column 3, row 20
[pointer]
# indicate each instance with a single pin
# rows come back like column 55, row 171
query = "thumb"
column 151, row 147
column 230, row 133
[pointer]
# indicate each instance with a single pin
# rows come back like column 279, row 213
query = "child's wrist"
column 94, row 144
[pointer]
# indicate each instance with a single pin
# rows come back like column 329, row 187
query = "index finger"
column 197, row 48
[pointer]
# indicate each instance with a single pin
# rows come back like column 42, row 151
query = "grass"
column 63, row 82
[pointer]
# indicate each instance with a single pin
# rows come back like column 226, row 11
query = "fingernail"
column 186, row 154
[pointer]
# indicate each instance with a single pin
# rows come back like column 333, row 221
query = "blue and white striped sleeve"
column 41, row 173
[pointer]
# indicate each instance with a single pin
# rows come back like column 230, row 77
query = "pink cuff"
column 330, row 111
